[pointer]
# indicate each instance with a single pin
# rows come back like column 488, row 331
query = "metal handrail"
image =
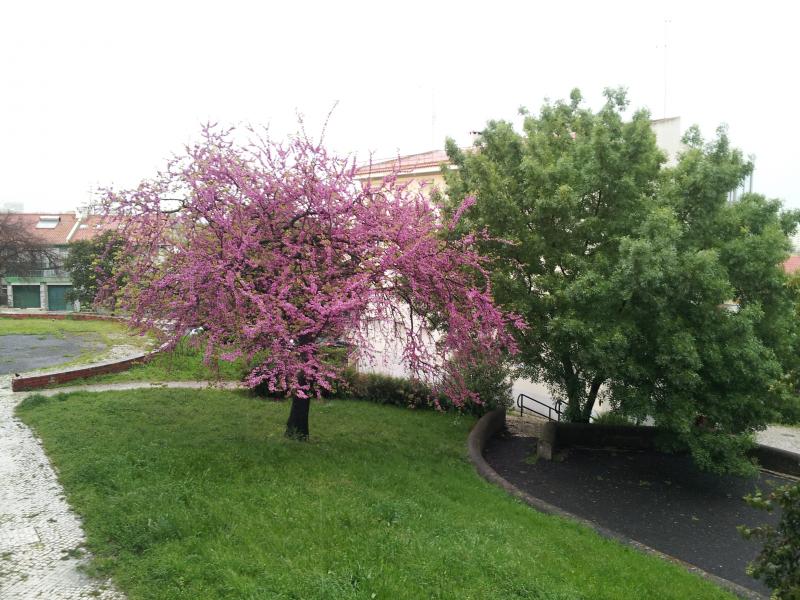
column 38, row 273
column 550, row 409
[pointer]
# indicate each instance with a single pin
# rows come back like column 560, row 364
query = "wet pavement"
column 660, row 500
column 21, row 353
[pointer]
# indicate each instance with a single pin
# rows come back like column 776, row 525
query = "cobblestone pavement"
column 41, row 540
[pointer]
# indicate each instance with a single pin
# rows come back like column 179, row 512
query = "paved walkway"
column 41, row 540
column 780, row 436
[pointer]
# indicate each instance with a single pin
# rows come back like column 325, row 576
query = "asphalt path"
column 21, row 353
column 660, row 500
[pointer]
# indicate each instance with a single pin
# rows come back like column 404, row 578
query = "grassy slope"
column 110, row 333
column 197, row 494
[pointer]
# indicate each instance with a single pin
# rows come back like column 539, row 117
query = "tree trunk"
column 297, row 425
column 587, row 409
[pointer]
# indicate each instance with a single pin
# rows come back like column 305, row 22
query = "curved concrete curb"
column 41, row 380
column 490, row 423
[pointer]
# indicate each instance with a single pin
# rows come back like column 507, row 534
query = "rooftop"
column 432, row 159
column 58, row 229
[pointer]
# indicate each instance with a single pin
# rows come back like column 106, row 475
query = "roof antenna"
column 666, row 29
column 433, row 118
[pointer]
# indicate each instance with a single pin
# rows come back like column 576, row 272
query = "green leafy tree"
column 778, row 563
column 622, row 267
column 90, row 262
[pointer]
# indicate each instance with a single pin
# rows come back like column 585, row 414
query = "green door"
column 56, row 297
column 26, row 296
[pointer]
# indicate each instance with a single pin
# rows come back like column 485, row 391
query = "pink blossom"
column 278, row 252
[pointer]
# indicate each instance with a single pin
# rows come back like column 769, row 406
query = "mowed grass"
column 197, row 494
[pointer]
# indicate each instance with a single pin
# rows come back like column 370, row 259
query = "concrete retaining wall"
column 564, row 435
column 776, row 459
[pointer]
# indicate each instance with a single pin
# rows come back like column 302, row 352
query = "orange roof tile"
column 85, row 229
column 404, row 164
column 51, row 236
column 91, row 226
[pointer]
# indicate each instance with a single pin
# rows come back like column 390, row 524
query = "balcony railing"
column 39, row 274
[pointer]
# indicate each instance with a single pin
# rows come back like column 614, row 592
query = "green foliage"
column 89, row 263
column 778, row 563
column 492, row 384
column 32, row 401
column 789, row 404
column 720, row 452
column 621, row 268
column 188, row 494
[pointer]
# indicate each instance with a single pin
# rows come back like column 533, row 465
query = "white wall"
column 668, row 137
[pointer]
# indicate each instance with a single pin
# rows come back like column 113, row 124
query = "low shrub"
column 385, row 389
column 492, row 383
column 408, row 393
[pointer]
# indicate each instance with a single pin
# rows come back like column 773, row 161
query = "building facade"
column 48, row 287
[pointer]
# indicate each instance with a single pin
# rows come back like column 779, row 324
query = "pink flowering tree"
column 277, row 252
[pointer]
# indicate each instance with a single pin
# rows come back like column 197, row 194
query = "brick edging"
column 41, row 380
column 492, row 422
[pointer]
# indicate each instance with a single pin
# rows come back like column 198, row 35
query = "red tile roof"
column 57, row 235
column 91, row 226
column 791, row 264
column 405, row 164
column 68, row 228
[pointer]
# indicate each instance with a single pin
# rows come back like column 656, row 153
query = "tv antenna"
column 666, row 31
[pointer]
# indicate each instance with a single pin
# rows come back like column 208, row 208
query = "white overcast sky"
column 95, row 94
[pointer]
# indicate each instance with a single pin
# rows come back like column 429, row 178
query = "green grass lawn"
column 197, row 494
column 109, row 333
